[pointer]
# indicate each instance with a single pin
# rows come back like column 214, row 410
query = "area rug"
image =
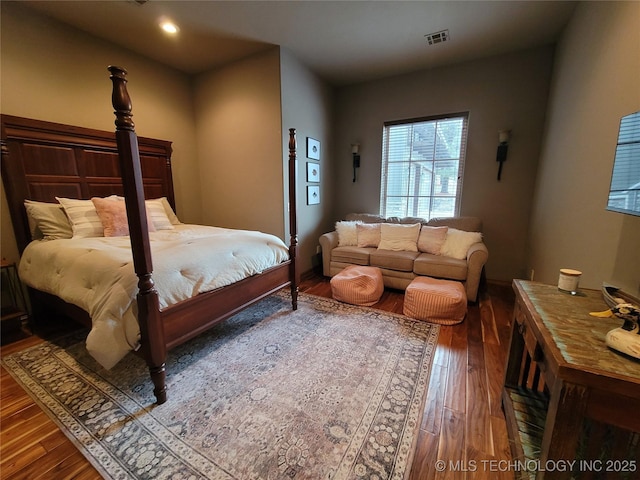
column 330, row 391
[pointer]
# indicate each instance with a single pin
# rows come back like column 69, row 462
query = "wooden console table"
column 572, row 404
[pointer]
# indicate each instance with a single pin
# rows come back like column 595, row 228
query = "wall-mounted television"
column 624, row 193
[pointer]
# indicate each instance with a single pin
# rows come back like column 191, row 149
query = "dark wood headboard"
column 43, row 160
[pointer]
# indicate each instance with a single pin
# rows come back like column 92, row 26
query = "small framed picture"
column 313, row 148
column 313, row 194
column 313, row 172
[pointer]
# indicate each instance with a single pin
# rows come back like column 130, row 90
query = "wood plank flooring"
column 462, row 435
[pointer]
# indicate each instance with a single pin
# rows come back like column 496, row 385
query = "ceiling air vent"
column 437, row 37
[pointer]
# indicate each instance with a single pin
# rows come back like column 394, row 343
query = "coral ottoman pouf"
column 434, row 300
column 358, row 285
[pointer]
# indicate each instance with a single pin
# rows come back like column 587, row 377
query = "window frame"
column 412, row 199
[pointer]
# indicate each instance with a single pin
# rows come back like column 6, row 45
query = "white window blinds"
column 624, row 194
column 422, row 167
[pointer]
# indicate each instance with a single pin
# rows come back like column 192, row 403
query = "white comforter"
column 97, row 275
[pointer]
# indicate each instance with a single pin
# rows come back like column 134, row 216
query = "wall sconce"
column 503, row 146
column 355, row 150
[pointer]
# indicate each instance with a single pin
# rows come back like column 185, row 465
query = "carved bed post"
column 151, row 327
column 293, row 221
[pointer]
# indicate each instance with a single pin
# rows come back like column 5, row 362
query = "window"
column 422, row 166
column 624, row 194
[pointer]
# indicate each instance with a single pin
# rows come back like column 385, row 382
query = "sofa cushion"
column 468, row 224
column 401, row 260
column 440, row 266
column 399, row 237
column 431, row 239
column 457, row 243
column 347, row 233
column 406, row 220
column 368, row 234
column 364, row 218
column 355, row 255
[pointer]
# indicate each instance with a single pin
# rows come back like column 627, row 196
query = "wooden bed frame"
column 42, row 160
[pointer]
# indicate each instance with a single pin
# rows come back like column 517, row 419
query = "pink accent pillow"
column 368, row 234
column 113, row 215
column 432, row 239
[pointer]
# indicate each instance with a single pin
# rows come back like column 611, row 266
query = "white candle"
column 569, row 280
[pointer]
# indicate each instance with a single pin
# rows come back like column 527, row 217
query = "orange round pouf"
column 434, row 300
column 358, row 285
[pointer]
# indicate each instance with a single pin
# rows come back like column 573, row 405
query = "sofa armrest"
column 328, row 242
column 477, row 257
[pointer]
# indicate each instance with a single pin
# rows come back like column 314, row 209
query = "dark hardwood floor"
column 463, row 433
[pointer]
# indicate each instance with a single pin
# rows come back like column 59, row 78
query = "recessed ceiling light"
column 169, row 27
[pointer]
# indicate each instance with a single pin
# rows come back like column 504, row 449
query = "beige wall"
column 226, row 125
column 58, row 74
column 306, row 106
column 238, row 121
column 236, row 129
column 595, row 82
column 509, row 91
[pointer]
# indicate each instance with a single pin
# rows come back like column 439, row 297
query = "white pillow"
column 160, row 220
column 83, row 216
column 368, row 234
column 47, row 220
column 173, row 218
column 431, row 239
column 347, row 236
column 458, row 242
column 158, row 214
column 399, row 237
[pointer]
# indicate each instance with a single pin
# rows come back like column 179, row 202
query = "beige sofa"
column 399, row 268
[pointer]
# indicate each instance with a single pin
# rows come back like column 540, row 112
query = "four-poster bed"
column 42, row 161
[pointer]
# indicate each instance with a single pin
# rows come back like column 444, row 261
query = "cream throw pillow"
column 399, row 237
column 368, row 234
column 158, row 214
column 431, row 239
column 458, row 242
column 47, row 220
column 347, row 236
column 173, row 218
column 84, row 219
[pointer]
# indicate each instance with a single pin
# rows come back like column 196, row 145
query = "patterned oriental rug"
column 329, row 391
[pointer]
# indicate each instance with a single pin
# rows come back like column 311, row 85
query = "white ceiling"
column 343, row 41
